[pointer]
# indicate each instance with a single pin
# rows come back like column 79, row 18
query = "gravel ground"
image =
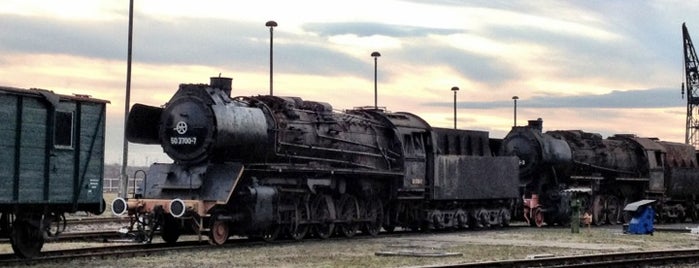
column 467, row 246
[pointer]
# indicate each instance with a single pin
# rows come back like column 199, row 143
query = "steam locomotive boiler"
column 266, row 165
column 608, row 173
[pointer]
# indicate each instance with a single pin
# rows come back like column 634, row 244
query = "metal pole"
column 376, row 55
column 271, row 24
column 515, row 98
column 455, row 89
column 376, row 103
column 123, row 191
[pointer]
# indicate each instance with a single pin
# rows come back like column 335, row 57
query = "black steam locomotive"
column 267, row 166
column 606, row 174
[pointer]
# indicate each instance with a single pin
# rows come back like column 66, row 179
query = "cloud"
column 26, row 34
column 185, row 41
column 372, row 28
column 630, row 99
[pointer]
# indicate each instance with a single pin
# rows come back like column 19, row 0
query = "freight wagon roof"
column 49, row 94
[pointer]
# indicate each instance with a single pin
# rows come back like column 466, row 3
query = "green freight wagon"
column 52, row 158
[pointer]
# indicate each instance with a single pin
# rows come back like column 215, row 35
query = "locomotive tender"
column 267, row 166
column 606, row 174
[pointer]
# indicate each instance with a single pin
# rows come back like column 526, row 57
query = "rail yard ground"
column 466, row 246
column 395, row 250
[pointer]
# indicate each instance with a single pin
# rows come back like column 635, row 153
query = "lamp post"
column 515, row 98
column 376, row 55
column 124, row 178
column 271, row 24
column 455, row 89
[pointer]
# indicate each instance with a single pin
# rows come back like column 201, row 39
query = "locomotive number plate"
column 183, row 140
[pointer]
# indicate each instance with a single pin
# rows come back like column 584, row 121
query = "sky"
column 601, row 66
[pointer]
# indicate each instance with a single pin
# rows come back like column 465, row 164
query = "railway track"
column 60, row 256
column 84, row 229
column 96, row 220
column 136, row 250
column 622, row 259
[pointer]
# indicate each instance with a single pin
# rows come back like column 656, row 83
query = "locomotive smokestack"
column 223, row 83
column 537, row 124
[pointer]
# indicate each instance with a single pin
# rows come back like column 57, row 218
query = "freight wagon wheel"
column 598, row 215
column 374, row 213
column 5, row 225
column 26, row 239
column 219, row 232
column 322, row 215
column 298, row 228
column 613, row 210
column 170, row 230
column 348, row 213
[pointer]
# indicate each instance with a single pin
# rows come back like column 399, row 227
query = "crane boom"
column 691, row 63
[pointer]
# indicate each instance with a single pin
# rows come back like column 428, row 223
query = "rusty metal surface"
column 619, row 156
column 536, row 150
column 475, row 177
column 207, row 182
column 461, row 142
column 679, row 155
column 682, row 181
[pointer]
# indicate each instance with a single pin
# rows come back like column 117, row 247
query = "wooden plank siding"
column 35, row 171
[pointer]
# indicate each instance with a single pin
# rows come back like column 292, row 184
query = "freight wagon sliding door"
column 76, row 159
column 62, row 161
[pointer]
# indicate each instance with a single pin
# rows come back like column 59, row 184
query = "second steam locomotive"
column 267, row 166
column 606, row 174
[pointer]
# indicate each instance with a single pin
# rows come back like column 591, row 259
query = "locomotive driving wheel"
column 218, row 232
column 613, row 210
column 298, row 228
column 323, row 216
column 374, row 215
column 26, row 238
column 538, row 217
column 270, row 233
column 348, row 213
column 625, row 215
column 599, row 217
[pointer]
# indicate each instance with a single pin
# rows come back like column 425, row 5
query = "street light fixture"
column 271, row 24
column 455, row 89
column 515, row 98
column 376, row 55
